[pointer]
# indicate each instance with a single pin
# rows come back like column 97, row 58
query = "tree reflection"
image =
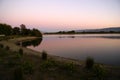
column 34, row 43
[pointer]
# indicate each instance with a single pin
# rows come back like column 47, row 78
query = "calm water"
column 104, row 48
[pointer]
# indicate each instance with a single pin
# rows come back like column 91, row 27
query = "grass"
column 33, row 67
column 100, row 71
column 27, row 67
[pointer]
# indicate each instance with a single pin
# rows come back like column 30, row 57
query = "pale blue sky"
column 55, row 15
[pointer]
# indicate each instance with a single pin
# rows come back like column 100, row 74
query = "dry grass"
column 55, row 68
column 14, row 47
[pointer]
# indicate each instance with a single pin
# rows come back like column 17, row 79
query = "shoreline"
column 54, row 67
column 12, row 44
column 13, row 47
column 75, row 33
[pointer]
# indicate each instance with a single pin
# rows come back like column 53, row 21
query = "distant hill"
column 112, row 29
column 93, row 31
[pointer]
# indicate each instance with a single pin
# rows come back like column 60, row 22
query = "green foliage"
column 16, row 31
column 66, row 32
column 5, row 29
column 33, row 32
column 71, row 32
column 68, row 66
column 27, row 67
column 99, row 71
column 36, row 32
column 7, row 48
column 48, row 64
column 21, row 52
column 23, row 30
column 44, row 55
column 34, row 42
column 18, row 74
column 89, row 63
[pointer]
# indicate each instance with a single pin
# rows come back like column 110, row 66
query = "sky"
column 56, row 15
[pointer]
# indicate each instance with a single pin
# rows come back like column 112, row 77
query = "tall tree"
column 16, row 31
column 23, row 29
column 5, row 29
column 36, row 32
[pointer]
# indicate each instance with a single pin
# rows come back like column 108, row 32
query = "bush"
column 1, row 46
column 46, row 65
column 18, row 74
column 68, row 66
column 44, row 55
column 21, row 52
column 89, row 63
column 27, row 67
column 100, row 71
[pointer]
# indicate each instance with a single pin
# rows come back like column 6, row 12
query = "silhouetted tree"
column 23, row 29
column 36, row 32
column 5, row 29
column 23, row 26
column 16, row 31
column 71, row 32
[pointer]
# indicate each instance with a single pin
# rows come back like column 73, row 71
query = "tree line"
column 7, row 30
column 83, row 32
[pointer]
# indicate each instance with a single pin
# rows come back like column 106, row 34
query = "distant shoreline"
column 82, row 33
column 111, row 30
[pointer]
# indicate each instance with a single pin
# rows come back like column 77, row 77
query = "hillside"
column 112, row 29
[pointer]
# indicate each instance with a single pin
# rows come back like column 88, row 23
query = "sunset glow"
column 55, row 15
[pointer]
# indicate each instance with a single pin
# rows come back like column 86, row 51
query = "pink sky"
column 55, row 15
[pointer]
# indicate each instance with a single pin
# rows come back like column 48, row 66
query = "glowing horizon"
column 55, row 15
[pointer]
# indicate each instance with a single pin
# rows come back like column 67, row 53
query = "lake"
column 104, row 48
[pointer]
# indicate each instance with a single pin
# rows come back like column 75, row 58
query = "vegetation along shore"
column 20, row 63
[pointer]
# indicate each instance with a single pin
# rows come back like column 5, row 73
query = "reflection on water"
column 33, row 43
column 110, row 37
column 104, row 48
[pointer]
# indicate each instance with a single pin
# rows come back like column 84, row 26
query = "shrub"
column 18, row 74
column 100, row 71
column 89, row 63
column 48, row 64
column 68, row 66
column 27, row 67
column 7, row 48
column 1, row 45
column 44, row 55
column 21, row 52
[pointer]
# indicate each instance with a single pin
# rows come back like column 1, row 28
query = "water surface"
column 104, row 48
